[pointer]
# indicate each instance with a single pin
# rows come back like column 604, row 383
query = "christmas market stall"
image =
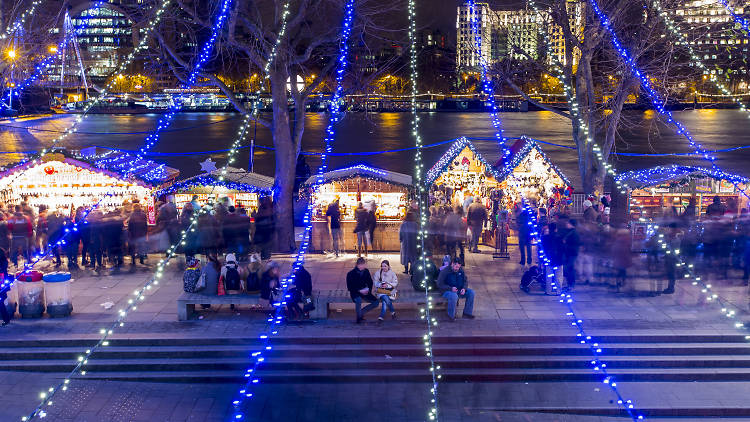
column 65, row 180
column 242, row 188
column 534, row 178
column 386, row 191
column 662, row 192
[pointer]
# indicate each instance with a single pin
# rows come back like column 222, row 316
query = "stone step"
column 369, row 375
column 238, row 364
column 393, row 337
column 543, row 350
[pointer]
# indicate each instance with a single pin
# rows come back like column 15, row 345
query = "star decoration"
column 208, row 166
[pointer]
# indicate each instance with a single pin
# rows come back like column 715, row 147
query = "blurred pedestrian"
column 475, row 217
column 407, row 236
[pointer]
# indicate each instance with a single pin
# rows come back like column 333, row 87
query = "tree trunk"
column 286, row 158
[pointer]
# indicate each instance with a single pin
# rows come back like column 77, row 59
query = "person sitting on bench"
column 452, row 281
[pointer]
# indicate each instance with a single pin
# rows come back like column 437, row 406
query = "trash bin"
column 11, row 303
column 57, row 294
column 30, row 294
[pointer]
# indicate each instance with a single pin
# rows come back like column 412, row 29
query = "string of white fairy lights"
column 73, row 127
column 744, row 23
column 675, row 30
column 139, row 295
column 150, row 142
column 10, row 30
column 257, row 356
column 421, row 192
column 566, row 297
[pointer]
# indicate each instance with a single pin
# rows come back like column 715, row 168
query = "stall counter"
column 385, row 238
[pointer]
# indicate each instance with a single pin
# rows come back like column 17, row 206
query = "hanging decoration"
column 488, row 84
column 49, row 59
column 420, row 189
column 330, row 135
column 656, row 99
column 675, row 30
column 11, row 29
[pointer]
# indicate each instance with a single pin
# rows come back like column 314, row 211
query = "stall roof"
column 363, row 170
column 122, row 162
column 235, row 179
column 518, row 151
column 453, row 152
column 662, row 174
column 147, row 172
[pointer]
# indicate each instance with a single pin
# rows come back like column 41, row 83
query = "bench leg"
column 321, row 309
column 185, row 311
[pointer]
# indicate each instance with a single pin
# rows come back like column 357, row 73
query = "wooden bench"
column 323, row 298
column 187, row 301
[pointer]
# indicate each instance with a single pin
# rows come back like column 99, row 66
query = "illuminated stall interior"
column 656, row 192
column 62, row 180
column 387, row 190
column 534, row 176
column 242, row 188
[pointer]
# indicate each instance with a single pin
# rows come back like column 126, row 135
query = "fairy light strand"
column 420, row 188
column 277, row 317
column 656, row 99
column 674, row 29
column 21, row 20
column 139, row 295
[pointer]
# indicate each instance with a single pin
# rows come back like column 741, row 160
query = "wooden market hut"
column 655, row 191
column 387, row 190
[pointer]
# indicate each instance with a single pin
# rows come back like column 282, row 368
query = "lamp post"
column 12, row 57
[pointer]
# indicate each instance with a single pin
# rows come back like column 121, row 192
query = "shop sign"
column 151, row 211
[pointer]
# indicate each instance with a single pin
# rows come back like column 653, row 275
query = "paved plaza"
column 501, row 310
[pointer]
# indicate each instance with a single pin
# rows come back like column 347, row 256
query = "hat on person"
column 231, row 258
column 587, row 203
column 272, row 264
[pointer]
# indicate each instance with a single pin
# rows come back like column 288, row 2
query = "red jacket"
column 16, row 225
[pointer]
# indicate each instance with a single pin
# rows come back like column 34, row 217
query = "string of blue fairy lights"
column 744, row 23
column 488, row 83
column 656, row 99
column 49, row 59
column 277, row 317
column 205, row 51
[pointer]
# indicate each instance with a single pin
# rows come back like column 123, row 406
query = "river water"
column 359, row 132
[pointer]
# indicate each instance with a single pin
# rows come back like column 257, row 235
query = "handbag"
column 309, row 305
column 201, row 282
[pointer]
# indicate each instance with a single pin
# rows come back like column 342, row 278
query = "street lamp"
column 12, row 56
column 53, row 49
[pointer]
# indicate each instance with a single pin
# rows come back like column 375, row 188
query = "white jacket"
column 380, row 277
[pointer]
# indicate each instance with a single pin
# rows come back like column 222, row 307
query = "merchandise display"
column 665, row 191
column 60, row 181
column 385, row 191
column 242, row 188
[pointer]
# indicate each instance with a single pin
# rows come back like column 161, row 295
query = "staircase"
column 675, row 358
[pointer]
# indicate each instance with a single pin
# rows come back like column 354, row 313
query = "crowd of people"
column 100, row 239
column 592, row 250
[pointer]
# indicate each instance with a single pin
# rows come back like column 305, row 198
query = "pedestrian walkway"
column 501, row 310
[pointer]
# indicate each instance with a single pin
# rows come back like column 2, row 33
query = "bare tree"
column 309, row 46
column 602, row 83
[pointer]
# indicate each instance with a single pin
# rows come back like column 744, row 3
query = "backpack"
column 232, row 279
column 253, row 282
column 190, row 279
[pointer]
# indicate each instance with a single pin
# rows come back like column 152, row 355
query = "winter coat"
column 212, row 279
column 447, row 279
column 137, row 225
column 361, row 216
column 407, row 235
column 383, row 278
column 455, row 228
column 476, row 215
column 356, row 281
